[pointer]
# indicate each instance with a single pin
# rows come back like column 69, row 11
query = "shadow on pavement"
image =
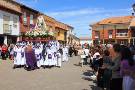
column 84, row 89
column 77, row 65
column 95, row 87
column 88, row 73
column 86, row 76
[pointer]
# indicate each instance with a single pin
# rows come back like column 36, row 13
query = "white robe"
column 18, row 57
column 57, row 45
column 23, row 61
column 59, row 59
column 65, row 54
column 38, row 56
column 49, row 58
column 54, row 50
column 128, row 83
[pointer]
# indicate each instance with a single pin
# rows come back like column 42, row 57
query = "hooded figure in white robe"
column 23, row 61
column 49, row 57
column 59, row 59
column 38, row 55
column 17, row 56
column 65, row 54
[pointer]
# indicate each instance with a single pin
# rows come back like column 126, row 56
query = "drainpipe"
column 103, row 34
column 115, row 33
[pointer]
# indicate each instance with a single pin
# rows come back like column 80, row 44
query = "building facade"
column 75, row 40
column 61, row 32
column 50, row 23
column 85, row 40
column 112, row 30
column 10, row 12
column 28, row 19
column 16, row 19
column 69, row 35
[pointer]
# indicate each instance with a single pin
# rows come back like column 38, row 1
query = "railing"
column 7, row 31
column 96, row 37
column 110, row 36
column 121, row 34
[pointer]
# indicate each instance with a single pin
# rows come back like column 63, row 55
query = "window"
column 122, row 33
column 15, row 22
column 48, row 28
column 24, row 18
column 58, row 32
column 6, row 26
column 110, row 33
column 31, row 19
column 97, row 34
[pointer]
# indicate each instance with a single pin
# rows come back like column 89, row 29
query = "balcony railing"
column 7, row 31
column 121, row 34
column 110, row 36
column 96, row 37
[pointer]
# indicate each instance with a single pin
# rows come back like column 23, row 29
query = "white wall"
column 85, row 41
column 15, row 31
column 1, row 22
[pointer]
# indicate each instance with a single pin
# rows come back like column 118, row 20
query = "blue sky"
column 81, row 13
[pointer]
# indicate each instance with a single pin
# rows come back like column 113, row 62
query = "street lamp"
column 133, row 6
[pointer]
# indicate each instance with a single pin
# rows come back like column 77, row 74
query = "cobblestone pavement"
column 70, row 77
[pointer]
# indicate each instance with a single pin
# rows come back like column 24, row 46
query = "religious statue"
column 40, row 25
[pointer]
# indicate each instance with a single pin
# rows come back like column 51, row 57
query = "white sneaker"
column 93, row 77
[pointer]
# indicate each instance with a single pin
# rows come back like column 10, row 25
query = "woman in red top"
column 4, row 52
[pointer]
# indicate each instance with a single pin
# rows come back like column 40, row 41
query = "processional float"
column 39, row 32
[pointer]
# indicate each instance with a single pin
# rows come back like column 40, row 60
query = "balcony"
column 121, row 34
column 7, row 32
column 7, row 29
column 96, row 37
column 110, row 36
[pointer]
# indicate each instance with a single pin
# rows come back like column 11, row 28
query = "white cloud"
column 30, row 3
column 26, row 1
column 85, row 11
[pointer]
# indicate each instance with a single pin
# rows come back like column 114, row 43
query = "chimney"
column 132, row 14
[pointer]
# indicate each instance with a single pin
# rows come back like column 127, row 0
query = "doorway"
column 1, row 40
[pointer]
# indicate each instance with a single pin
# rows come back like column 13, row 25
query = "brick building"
column 112, row 30
column 28, row 19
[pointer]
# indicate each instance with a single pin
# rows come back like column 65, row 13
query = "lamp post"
column 133, row 6
column 103, row 34
column 115, row 33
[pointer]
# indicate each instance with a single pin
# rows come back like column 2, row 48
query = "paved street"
column 69, row 77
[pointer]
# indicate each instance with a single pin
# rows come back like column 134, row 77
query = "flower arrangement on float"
column 39, row 34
